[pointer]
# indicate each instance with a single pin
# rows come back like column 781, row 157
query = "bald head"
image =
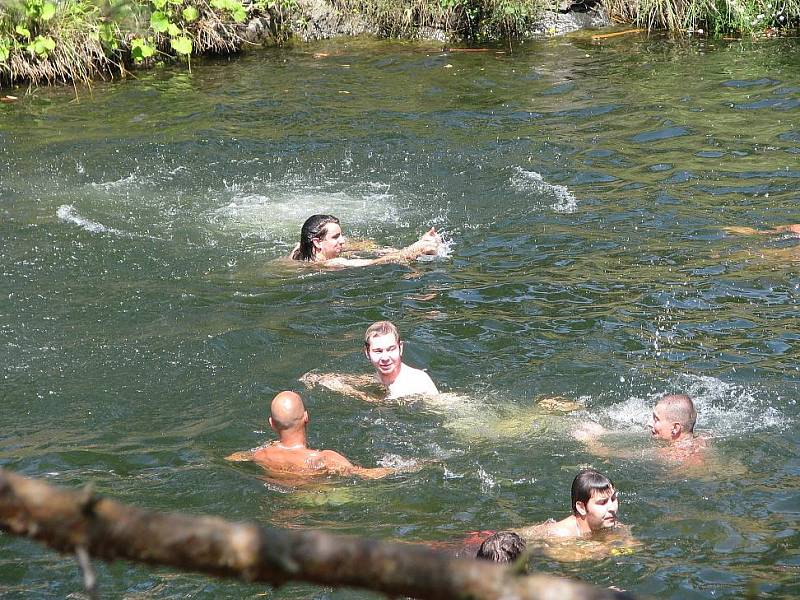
column 678, row 408
column 287, row 411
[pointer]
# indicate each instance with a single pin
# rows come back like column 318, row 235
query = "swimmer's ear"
column 677, row 428
column 400, row 345
column 580, row 508
column 305, row 416
column 316, row 242
column 272, row 425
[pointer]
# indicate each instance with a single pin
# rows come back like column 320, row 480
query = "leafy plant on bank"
column 69, row 40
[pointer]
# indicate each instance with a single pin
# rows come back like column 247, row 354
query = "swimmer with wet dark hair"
column 502, row 547
column 322, row 242
column 594, row 504
column 290, row 452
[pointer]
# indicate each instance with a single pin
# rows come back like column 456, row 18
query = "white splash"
column 722, row 408
column 278, row 213
column 532, row 181
column 487, row 481
column 68, row 214
column 123, row 182
column 396, row 462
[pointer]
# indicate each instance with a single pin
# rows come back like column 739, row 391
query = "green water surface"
column 584, row 189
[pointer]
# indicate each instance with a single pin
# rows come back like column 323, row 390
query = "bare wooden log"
column 67, row 520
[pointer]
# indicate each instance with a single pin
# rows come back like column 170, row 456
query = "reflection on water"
column 586, row 190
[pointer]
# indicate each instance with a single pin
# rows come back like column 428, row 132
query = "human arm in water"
column 795, row 229
column 342, row 384
column 429, row 243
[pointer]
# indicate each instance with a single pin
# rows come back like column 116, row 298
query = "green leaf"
column 5, row 49
column 22, row 31
column 159, row 22
column 238, row 12
column 181, row 45
column 159, row 4
column 173, row 30
column 140, row 49
column 42, row 45
column 219, row 4
column 48, row 11
column 190, row 14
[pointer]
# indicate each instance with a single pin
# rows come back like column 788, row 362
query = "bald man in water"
column 290, row 452
column 673, row 420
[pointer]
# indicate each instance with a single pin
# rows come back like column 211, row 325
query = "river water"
column 584, row 189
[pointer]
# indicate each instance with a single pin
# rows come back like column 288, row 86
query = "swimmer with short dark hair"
column 594, row 503
column 290, row 452
column 502, row 547
column 322, row 242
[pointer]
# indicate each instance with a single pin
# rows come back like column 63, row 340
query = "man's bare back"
column 291, row 454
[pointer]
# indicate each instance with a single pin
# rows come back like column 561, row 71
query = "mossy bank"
column 50, row 41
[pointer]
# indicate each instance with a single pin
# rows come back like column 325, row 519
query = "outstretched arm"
column 341, row 384
column 243, row 456
column 750, row 231
column 429, row 243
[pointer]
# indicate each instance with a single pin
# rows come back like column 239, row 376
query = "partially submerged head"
column 594, row 501
column 320, row 235
column 674, row 416
column 383, row 348
column 287, row 412
column 501, row 547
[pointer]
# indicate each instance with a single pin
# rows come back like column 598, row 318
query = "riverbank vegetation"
column 79, row 40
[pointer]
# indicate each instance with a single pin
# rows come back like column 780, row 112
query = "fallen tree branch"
column 67, row 520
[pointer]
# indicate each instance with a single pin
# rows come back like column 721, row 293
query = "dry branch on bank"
column 78, row 521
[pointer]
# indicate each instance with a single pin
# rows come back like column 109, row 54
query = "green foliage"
column 233, row 7
column 142, row 49
column 65, row 40
column 718, row 17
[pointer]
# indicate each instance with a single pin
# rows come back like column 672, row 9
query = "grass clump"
column 79, row 40
column 717, row 17
column 464, row 19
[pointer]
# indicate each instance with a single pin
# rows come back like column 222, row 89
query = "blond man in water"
column 322, row 242
column 384, row 350
column 290, row 452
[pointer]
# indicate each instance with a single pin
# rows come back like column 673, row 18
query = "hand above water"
column 430, row 242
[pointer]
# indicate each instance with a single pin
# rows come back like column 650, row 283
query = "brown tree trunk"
column 77, row 520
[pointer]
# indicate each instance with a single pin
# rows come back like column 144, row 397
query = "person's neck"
column 581, row 526
column 683, row 438
column 292, row 440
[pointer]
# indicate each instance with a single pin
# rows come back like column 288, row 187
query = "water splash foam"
column 68, row 214
column 723, row 408
column 532, row 181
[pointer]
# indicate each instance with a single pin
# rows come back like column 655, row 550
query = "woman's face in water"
column 331, row 242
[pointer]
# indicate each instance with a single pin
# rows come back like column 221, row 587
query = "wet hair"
column 501, row 547
column 380, row 328
column 313, row 228
column 679, row 408
column 586, row 483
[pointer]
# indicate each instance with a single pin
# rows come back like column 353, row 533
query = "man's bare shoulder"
column 412, row 382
